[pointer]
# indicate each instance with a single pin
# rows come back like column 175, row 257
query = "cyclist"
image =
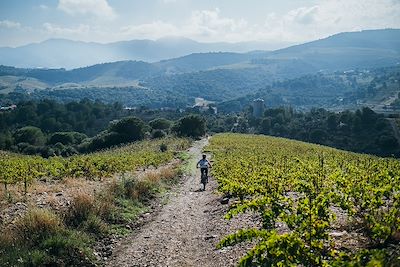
column 204, row 164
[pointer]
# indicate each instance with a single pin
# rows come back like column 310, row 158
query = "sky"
column 277, row 22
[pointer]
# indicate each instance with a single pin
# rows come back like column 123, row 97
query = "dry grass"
column 7, row 238
column 81, row 207
column 42, row 187
column 155, row 176
column 142, row 190
column 37, row 224
column 144, row 186
column 75, row 182
column 104, row 206
column 53, row 202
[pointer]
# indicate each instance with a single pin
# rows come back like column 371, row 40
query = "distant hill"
column 371, row 48
column 62, row 53
column 109, row 73
column 203, row 61
column 225, row 76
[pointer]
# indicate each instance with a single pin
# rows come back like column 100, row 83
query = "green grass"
column 40, row 238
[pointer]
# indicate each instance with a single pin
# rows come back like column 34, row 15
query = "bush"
column 68, row 249
column 158, row 134
column 139, row 190
column 38, row 258
column 95, row 225
column 163, row 147
column 81, row 208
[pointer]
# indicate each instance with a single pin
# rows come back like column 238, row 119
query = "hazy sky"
column 280, row 22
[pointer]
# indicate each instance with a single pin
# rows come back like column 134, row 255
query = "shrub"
column 158, row 134
column 95, row 225
column 38, row 258
column 163, row 147
column 68, row 249
column 104, row 207
column 138, row 190
column 81, row 207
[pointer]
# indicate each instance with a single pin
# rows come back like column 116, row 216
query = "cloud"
column 152, row 30
column 98, row 8
column 209, row 23
column 330, row 17
column 43, row 7
column 62, row 31
column 8, row 24
column 303, row 15
column 301, row 24
column 204, row 25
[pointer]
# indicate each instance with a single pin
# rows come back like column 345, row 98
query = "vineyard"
column 66, row 211
column 20, row 169
column 316, row 206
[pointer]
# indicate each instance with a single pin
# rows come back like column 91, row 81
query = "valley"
column 340, row 72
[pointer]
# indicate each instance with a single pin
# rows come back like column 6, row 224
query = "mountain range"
column 216, row 76
column 63, row 53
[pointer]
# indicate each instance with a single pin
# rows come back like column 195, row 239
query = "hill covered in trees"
column 332, row 72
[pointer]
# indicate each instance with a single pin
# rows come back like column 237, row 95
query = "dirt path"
column 186, row 230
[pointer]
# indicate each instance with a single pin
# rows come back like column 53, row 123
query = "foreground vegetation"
column 66, row 236
column 310, row 199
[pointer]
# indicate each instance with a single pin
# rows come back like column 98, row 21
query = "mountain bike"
column 204, row 180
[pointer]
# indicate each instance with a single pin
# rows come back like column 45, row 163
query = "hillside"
column 377, row 88
column 286, row 76
column 62, row 53
column 348, row 50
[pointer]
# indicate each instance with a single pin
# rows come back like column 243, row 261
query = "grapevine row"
column 301, row 187
column 19, row 168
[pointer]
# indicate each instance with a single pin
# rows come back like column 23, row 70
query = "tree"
column 129, row 128
column 31, row 135
column 318, row 135
column 190, row 126
column 331, row 122
column 265, row 125
column 160, row 124
column 67, row 138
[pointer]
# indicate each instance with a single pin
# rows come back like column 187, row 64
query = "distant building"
column 12, row 107
column 204, row 105
column 258, row 107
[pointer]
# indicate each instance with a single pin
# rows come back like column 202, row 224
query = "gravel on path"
column 186, row 230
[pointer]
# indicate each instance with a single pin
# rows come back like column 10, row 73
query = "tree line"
column 49, row 128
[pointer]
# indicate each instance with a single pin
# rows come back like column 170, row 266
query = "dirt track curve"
column 185, row 231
